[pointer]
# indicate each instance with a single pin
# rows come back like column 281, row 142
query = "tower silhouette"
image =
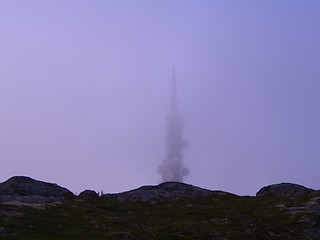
column 172, row 168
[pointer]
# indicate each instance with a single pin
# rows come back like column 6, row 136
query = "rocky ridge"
column 284, row 190
column 168, row 210
column 21, row 188
column 168, row 191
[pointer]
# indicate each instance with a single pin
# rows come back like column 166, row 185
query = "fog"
column 85, row 89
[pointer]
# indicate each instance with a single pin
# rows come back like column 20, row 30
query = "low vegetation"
column 216, row 217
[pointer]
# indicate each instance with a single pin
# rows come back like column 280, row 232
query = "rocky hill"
column 26, row 189
column 31, row 209
column 284, row 190
column 168, row 191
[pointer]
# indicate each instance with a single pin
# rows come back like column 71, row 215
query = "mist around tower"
column 172, row 167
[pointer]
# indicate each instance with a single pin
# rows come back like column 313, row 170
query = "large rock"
column 22, row 188
column 89, row 195
column 168, row 191
column 284, row 190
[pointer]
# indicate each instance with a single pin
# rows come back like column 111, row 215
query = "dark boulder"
column 284, row 190
column 89, row 195
column 22, row 188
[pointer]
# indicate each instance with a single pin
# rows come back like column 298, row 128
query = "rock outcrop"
column 168, row 191
column 22, row 188
column 88, row 195
column 284, row 190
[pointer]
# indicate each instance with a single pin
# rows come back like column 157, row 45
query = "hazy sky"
column 85, row 90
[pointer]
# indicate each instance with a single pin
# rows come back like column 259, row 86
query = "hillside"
column 167, row 211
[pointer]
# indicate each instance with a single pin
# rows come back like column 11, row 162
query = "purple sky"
column 85, row 89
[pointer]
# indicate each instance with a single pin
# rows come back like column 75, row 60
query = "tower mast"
column 174, row 98
column 172, row 168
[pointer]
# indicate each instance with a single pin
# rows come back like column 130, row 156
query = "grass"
column 228, row 217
